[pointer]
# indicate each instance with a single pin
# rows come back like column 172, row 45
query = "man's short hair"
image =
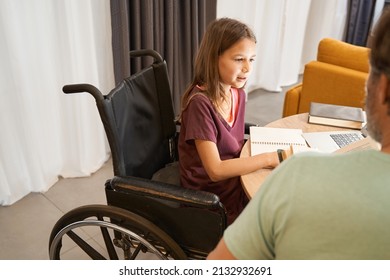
column 380, row 45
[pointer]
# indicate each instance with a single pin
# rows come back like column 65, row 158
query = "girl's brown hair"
column 220, row 35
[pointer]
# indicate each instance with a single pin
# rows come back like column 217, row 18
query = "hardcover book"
column 336, row 115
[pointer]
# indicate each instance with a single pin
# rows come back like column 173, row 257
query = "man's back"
column 319, row 207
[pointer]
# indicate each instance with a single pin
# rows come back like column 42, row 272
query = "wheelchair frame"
column 143, row 218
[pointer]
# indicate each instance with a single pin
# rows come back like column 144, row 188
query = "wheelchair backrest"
column 138, row 118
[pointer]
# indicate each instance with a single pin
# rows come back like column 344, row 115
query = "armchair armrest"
column 291, row 101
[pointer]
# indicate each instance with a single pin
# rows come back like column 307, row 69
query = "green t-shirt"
column 317, row 206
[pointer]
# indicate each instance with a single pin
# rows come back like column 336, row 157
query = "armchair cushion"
column 343, row 54
column 331, row 84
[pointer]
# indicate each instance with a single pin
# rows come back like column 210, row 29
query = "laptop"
column 331, row 141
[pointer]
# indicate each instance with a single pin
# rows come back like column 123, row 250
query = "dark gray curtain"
column 173, row 28
column 359, row 21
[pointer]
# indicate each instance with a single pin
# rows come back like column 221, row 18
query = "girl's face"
column 235, row 64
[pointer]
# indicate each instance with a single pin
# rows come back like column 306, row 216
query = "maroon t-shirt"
column 202, row 122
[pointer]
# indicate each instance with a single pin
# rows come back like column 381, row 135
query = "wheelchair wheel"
column 108, row 232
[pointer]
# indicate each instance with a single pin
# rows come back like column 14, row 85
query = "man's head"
column 378, row 83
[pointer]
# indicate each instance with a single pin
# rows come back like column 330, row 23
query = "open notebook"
column 267, row 139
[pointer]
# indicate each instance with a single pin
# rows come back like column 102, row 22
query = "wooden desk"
column 251, row 182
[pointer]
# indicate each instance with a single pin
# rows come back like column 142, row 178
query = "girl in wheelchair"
column 212, row 116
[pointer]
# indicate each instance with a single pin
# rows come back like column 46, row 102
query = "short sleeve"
column 200, row 120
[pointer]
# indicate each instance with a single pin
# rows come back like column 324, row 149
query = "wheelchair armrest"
column 162, row 190
column 247, row 126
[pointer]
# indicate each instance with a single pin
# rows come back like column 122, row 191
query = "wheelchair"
column 148, row 214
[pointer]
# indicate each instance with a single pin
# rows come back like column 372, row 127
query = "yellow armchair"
column 337, row 77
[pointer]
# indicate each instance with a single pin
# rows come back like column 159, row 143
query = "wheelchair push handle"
column 77, row 88
column 146, row 52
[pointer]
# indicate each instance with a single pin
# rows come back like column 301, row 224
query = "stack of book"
column 336, row 115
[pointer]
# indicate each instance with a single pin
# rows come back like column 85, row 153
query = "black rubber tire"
column 118, row 227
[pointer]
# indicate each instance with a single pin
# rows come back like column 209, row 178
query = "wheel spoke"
column 108, row 241
column 109, row 245
column 136, row 251
column 85, row 246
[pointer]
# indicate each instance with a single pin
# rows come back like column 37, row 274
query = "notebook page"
column 268, row 139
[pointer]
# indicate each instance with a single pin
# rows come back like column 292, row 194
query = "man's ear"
column 384, row 91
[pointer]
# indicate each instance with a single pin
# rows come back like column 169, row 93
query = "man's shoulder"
column 305, row 166
column 310, row 156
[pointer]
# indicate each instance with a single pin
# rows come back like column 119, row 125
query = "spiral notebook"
column 269, row 139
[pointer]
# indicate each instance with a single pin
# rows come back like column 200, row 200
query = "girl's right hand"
column 271, row 159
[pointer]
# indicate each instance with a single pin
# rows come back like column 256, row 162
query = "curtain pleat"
column 173, row 28
column 360, row 17
column 120, row 38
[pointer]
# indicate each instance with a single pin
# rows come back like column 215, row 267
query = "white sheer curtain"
column 45, row 44
column 288, row 32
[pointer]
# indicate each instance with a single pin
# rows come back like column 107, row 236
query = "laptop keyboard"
column 343, row 139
